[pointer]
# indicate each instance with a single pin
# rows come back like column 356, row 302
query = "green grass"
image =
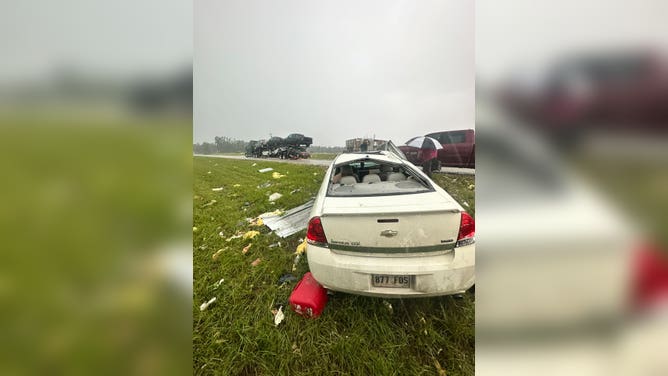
column 325, row 156
column 354, row 335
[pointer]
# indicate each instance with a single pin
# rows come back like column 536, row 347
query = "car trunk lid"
column 385, row 225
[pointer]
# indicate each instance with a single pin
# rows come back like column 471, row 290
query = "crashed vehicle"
column 380, row 227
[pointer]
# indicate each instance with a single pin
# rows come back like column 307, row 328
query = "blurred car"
column 614, row 91
column 458, row 150
column 380, row 227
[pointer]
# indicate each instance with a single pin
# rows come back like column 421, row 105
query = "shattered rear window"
column 375, row 178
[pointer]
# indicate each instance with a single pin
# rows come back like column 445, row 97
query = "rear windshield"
column 374, row 178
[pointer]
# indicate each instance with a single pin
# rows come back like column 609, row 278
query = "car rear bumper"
column 443, row 274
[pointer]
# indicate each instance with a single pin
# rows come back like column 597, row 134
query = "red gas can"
column 309, row 297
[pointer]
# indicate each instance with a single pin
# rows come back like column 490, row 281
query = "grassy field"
column 354, row 335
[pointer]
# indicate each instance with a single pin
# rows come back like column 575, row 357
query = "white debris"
column 275, row 196
column 217, row 189
column 465, row 203
column 266, row 169
column 208, row 172
column 279, row 316
column 217, row 284
column 221, row 234
column 205, row 305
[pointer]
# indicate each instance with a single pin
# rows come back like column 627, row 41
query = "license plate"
column 386, row 280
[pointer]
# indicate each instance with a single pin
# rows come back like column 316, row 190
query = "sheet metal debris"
column 293, row 221
column 266, row 169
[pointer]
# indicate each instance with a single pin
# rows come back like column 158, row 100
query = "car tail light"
column 466, row 230
column 650, row 277
column 315, row 233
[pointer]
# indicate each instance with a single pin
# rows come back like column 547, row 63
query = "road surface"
column 325, row 162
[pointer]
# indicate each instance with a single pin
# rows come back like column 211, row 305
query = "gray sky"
column 333, row 70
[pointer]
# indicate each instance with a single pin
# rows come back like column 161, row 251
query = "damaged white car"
column 380, row 227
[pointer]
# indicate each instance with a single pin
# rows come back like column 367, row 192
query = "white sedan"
column 381, row 227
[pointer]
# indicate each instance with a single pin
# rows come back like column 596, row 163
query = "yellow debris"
column 276, row 175
column 301, row 248
column 251, row 234
column 218, row 252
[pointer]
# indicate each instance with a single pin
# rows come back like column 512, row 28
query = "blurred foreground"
column 96, row 272
column 572, row 130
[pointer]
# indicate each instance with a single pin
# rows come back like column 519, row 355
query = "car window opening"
column 369, row 177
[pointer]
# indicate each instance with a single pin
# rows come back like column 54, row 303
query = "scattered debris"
column 301, row 248
column 256, row 262
column 209, row 203
column 286, row 278
column 277, row 175
column 246, row 248
column 205, row 305
column 293, row 221
column 439, row 369
column 388, row 305
column 275, row 196
column 295, row 190
column 471, row 187
column 466, row 204
column 251, row 234
column 315, row 173
column 254, row 164
column 217, row 284
column 275, row 245
column 203, row 247
column 208, row 172
column 279, row 316
column 255, row 221
column 237, row 185
column 218, row 252
column 195, row 229
column 275, row 213
column 295, row 349
column 221, row 234
column 217, row 189
column 295, row 262
column 264, row 185
column 265, row 169
column 236, row 236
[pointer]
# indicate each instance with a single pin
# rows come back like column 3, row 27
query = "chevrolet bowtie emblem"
column 389, row 233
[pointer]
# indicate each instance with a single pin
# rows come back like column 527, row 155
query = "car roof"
column 381, row 156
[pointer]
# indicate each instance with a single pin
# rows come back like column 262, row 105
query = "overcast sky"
column 332, row 70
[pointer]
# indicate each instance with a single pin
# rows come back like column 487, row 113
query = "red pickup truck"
column 458, row 150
